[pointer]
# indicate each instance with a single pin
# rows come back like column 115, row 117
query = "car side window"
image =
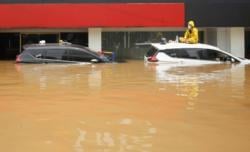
column 213, row 55
column 55, row 54
column 77, row 55
column 200, row 54
column 181, row 53
column 207, row 54
column 37, row 53
column 170, row 52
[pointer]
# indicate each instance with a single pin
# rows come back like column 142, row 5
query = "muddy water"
column 124, row 107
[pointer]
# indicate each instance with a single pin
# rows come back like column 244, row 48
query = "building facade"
column 117, row 25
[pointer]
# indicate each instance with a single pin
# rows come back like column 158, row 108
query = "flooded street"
column 124, row 107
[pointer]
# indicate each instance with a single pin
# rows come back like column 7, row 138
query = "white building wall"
column 95, row 39
column 228, row 39
column 237, row 41
column 223, row 39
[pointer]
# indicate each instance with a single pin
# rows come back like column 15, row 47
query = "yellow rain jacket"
column 192, row 36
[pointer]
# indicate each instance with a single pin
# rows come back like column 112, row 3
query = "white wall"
column 237, row 42
column 228, row 39
column 223, row 39
column 95, row 39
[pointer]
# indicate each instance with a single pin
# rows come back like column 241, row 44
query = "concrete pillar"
column 95, row 39
column 232, row 40
column 223, row 39
column 237, row 41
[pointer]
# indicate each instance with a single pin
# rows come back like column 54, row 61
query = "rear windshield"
column 151, row 52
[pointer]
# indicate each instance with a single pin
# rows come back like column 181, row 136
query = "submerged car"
column 59, row 53
column 190, row 54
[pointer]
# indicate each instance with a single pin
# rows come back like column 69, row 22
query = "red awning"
column 92, row 15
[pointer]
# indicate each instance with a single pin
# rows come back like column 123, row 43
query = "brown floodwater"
column 124, row 107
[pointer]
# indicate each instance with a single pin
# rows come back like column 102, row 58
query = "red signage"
column 92, row 15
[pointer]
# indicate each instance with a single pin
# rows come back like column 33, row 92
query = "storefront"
column 115, row 25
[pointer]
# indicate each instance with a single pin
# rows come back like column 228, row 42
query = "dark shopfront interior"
column 11, row 43
column 122, row 43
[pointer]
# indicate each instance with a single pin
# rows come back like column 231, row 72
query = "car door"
column 55, row 55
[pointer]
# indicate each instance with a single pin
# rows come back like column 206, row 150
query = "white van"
column 190, row 54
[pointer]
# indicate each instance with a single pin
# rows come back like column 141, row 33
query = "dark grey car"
column 59, row 53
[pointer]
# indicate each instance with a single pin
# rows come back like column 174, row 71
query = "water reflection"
column 62, row 74
column 189, row 79
column 121, row 140
column 81, row 138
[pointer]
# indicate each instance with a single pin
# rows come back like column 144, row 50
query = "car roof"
column 53, row 45
column 175, row 45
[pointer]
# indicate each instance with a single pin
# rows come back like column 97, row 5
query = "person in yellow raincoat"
column 191, row 35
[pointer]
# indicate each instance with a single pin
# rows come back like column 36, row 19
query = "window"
column 37, row 53
column 206, row 54
column 56, row 54
column 201, row 54
column 180, row 53
column 172, row 53
column 213, row 55
column 77, row 55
